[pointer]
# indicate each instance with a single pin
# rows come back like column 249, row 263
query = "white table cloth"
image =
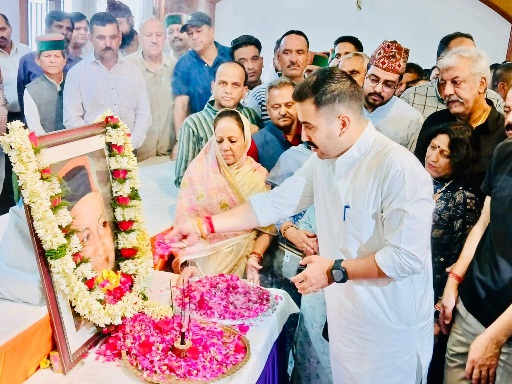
column 261, row 337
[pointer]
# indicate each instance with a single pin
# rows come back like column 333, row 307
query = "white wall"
column 417, row 24
column 11, row 9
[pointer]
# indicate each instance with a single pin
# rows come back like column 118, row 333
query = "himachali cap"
column 196, row 19
column 173, row 18
column 50, row 42
column 320, row 61
column 391, row 57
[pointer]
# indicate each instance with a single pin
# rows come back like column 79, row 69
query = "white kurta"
column 398, row 121
column 374, row 199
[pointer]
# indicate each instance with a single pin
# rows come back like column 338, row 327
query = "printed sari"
column 210, row 186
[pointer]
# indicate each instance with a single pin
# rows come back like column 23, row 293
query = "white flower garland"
column 50, row 221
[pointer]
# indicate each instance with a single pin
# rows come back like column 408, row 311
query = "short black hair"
column 294, row 32
column 446, row 40
column 330, row 87
column 414, row 68
column 351, row 40
column 246, row 76
column 502, row 73
column 277, row 45
column 463, row 147
column 6, row 20
column 56, row 16
column 76, row 17
column 102, row 19
column 244, row 41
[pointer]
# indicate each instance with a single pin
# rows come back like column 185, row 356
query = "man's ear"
column 502, row 90
column 343, row 122
column 482, row 85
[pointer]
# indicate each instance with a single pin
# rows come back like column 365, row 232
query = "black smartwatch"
column 338, row 273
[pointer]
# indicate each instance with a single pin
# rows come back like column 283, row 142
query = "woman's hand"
column 182, row 236
column 188, row 273
column 253, row 270
column 306, row 241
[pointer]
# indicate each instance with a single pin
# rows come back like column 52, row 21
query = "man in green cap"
column 43, row 97
column 176, row 39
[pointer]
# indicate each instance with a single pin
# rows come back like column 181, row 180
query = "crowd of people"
column 391, row 181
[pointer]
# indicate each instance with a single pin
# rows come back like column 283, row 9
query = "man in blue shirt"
column 195, row 71
column 283, row 130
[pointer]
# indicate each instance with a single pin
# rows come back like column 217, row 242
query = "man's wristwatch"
column 338, row 273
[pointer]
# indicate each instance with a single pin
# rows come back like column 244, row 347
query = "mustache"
column 508, row 127
column 177, row 38
column 376, row 94
column 310, row 145
column 107, row 49
column 453, row 98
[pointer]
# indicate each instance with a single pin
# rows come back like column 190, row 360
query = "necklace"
column 483, row 116
column 440, row 192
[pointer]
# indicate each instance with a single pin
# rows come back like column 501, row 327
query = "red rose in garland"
column 117, row 149
column 46, row 173
column 119, row 174
column 123, row 200
column 33, row 139
column 125, row 225
column 111, row 120
column 128, row 252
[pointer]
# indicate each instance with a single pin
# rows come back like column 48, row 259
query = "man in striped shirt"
column 228, row 88
column 293, row 58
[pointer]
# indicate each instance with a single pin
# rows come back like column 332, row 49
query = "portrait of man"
column 90, row 207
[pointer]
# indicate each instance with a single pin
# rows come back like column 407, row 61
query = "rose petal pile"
column 147, row 343
column 224, row 297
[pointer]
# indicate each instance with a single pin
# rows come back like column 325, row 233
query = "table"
column 262, row 337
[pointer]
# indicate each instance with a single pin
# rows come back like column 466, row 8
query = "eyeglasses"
column 387, row 86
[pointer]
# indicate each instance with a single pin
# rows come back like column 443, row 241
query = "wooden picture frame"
column 73, row 340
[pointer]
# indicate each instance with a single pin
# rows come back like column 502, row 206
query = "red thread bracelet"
column 258, row 255
column 455, row 277
column 209, row 223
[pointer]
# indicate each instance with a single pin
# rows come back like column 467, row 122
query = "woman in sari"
column 221, row 177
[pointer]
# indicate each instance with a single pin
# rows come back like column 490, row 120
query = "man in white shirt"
column 373, row 203
column 10, row 54
column 390, row 115
column 104, row 81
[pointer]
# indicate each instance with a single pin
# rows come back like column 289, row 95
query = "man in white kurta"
column 380, row 329
column 390, row 115
column 373, row 203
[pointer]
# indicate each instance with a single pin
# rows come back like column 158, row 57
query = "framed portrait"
column 79, row 158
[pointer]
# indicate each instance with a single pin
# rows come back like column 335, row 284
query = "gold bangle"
column 287, row 228
column 200, row 226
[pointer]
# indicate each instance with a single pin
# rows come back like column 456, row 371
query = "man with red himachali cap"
column 389, row 114
column 43, row 97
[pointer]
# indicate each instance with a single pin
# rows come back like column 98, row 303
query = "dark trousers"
column 7, row 195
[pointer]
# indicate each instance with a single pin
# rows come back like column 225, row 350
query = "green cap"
column 173, row 18
column 50, row 42
column 320, row 61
